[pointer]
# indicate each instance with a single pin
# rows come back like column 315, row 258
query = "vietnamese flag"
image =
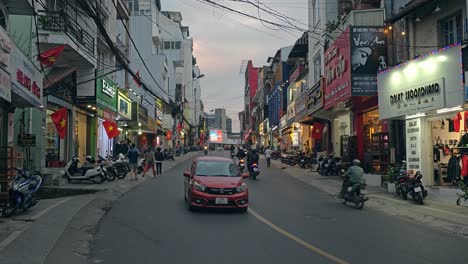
column 111, row 128
column 49, row 57
column 137, row 79
column 60, row 118
column 317, row 131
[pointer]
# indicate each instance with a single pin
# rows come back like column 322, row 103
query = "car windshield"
column 216, row 168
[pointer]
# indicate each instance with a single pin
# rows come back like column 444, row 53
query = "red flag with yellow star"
column 111, row 128
column 60, row 118
column 49, row 57
column 317, row 131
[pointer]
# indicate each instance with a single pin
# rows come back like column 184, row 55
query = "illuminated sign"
column 216, row 136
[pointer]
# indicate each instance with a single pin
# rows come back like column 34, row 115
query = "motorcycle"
column 122, row 167
column 356, row 194
column 416, row 189
column 205, row 150
column 241, row 165
column 168, row 154
column 254, row 171
column 22, row 192
column 141, row 166
column 401, row 185
column 84, row 173
column 327, row 167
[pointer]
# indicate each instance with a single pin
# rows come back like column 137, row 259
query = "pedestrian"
column 159, row 157
column 133, row 155
column 306, row 150
column 268, row 152
column 149, row 158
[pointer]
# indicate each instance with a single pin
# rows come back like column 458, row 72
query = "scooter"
column 168, row 154
column 141, row 166
column 356, row 194
column 416, row 189
column 241, row 165
column 254, row 171
column 22, row 193
column 205, row 150
column 86, row 173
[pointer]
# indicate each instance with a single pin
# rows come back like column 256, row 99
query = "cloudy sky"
column 222, row 41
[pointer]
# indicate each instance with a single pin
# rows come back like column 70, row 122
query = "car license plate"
column 255, row 169
column 417, row 189
column 221, row 201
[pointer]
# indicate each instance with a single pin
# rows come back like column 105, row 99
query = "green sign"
column 106, row 93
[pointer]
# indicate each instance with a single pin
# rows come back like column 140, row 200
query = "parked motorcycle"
column 22, row 192
column 168, row 154
column 331, row 166
column 84, row 173
column 416, row 189
column 356, row 194
column 254, row 171
column 122, row 167
column 401, row 185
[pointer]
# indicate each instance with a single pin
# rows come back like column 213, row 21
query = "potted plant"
column 389, row 180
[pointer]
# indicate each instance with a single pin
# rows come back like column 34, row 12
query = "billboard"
column 368, row 56
column 216, row 136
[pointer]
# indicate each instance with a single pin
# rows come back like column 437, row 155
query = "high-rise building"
column 229, row 125
column 210, row 121
column 220, row 118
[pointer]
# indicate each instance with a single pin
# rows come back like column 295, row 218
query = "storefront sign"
column 368, row 56
column 5, row 53
column 27, row 140
column 106, row 114
column 290, row 115
column 124, row 107
column 337, row 71
column 142, row 115
column 295, row 138
column 310, row 101
column 106, row 93
column 27, row 79
column 5, row 85
column 428, row 83
column 413, row 144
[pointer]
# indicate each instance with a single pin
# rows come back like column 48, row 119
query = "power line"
column 136, row 49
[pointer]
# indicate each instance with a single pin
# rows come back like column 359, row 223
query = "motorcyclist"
column 240, row 153
column 352, row 176
column 252, row 157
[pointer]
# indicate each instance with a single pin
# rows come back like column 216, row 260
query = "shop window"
column 54, row 145
column 452, row 30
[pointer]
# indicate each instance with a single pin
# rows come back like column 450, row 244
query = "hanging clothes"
column 456, row 122
column 454, row 169
column 466, row 120
column 463, row 141
column 464, row 169
column 451, row 125
column 436, row 151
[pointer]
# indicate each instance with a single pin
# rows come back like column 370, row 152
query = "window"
column 177, row 45
column 452, row 30
column 317, row 67
column 167, row 45
column 216, row 168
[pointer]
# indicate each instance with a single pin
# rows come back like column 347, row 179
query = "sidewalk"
column 433, row 213
column 30, row 237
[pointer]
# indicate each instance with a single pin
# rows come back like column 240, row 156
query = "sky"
column 222, row 41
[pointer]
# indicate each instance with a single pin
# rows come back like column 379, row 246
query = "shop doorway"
column 376, row 143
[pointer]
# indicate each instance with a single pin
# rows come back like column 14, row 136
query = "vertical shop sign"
column 368, row 56
column 106, row 93
column 5, row 51
column 413, row 144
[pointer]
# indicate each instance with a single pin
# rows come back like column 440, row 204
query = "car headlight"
column 199, row 187
column 241, row 188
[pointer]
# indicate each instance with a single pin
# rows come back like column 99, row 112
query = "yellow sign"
column 261, row 129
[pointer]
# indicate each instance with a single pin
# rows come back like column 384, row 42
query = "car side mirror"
column 187, row 173
column 245, row 175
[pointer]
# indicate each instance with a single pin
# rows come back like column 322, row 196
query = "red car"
column 215, row 182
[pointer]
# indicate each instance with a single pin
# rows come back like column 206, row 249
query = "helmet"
column 356, row 162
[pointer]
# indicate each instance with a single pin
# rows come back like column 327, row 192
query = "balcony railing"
column 59, row 21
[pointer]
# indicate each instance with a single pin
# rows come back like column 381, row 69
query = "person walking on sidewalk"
column 133, row 155
column 159, row 157
column 149, row 157
column 268, row 152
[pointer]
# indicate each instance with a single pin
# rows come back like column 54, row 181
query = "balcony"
column 19, row 7
column 122, row 9
column 57, row 28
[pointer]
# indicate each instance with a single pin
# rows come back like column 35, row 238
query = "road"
column 288, row 222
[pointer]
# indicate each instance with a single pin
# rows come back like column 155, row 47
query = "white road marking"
column 43, row 212
column 10, row 239
column 297, row 239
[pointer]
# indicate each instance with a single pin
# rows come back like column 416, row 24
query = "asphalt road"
column 290, row 222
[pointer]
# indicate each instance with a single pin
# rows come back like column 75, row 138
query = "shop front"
column 26, row 98
column 107, row 103
column 428, row 93
column 350, row 90
column 124, row 116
